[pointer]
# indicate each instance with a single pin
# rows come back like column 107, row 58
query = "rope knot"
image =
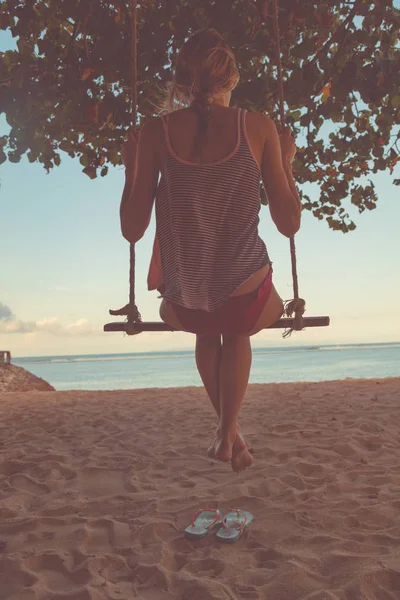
column 296, row 307
column 134, row 317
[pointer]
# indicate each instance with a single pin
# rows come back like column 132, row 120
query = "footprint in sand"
column 187, row 483
column 150, row 575
column 7, row 513
column 51, row 569
column 267, row 487
column 269, row 559
column 379, row 584
column 94, row 481
column 27, row 484
column 248, row 592
column 201, row 587
column 294, row 481
column 109, row 567
column 105, row 535
column 207, row 567
column 307, row 469
column 14, row 579
column 12, row 466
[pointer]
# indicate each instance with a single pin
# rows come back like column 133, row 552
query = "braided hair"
column 201, row 105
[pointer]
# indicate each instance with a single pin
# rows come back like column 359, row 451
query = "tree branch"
column 341, row 28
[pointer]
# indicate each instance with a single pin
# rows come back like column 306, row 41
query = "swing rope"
column 297, row 305
column 130, row 310
column 133, row 314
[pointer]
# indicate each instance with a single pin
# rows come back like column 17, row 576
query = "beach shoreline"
column 98, row 486
column 178, row 369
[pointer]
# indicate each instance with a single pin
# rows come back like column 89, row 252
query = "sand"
column 97, row 487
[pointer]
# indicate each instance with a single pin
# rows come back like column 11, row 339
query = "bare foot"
column 241, row 457
column 224, row 447
column 239, row 445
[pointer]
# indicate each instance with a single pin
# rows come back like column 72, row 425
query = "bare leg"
column 234, row 374
column 208, row 357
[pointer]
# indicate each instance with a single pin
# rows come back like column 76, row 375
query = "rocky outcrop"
column 16, row 379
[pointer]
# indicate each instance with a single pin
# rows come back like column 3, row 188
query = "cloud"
column 5, row 312
column 10, row 323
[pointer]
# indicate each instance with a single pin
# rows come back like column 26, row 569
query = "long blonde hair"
column 205, row 67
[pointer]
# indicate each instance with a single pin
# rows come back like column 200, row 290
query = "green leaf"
column 395, row 101
column 14, row 157
column 90, row 172
column 296, row 114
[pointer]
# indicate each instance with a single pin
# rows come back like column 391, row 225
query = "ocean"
column 178, row 368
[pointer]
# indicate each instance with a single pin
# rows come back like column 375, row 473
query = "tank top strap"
column 242, row 128
column 164, row 121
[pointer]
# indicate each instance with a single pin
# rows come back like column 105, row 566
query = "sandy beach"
column 97, row 488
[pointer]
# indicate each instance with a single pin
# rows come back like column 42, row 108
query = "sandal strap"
column 209, row 510
column 239, row 525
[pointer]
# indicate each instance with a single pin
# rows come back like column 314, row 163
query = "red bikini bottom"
column 238, row 315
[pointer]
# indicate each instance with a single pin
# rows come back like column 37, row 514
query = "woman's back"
column 208, row 199
column 207, row 209
column 220, row 138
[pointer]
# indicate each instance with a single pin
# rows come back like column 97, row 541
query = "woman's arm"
column 284, row 201
column 141, row 179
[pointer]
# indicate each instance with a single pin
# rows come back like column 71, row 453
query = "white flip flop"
column 204, row 521
column 234, row 522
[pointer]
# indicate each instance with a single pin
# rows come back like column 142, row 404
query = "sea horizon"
column 177, row 368
column 156, row 353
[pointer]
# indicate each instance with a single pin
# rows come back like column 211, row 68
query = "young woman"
column 216, row 272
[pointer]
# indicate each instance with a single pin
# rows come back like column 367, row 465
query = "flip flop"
column 203, row 521
column 234, row 523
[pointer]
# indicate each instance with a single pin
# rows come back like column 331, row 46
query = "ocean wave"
column 360, row 347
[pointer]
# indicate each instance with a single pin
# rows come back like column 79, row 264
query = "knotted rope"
column 130, row 310
column 297, row 305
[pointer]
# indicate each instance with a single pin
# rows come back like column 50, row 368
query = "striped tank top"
column 207, row 218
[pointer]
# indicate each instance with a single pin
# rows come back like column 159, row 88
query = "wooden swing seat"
column 160, row 326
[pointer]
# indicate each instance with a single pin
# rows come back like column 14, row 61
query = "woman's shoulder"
column 259, row 126
column 152, row 130
column 260, row 119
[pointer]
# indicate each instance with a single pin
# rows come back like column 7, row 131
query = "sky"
column 65, row 263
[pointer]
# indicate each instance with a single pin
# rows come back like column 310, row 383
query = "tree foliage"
column 67, row 85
